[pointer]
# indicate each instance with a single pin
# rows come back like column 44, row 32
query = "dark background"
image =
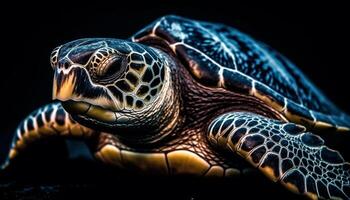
column 314, row 36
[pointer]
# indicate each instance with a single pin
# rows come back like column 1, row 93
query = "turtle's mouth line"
column 98, row 113
column 106, row 120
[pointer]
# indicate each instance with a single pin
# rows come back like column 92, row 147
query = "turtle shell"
column 221, row 56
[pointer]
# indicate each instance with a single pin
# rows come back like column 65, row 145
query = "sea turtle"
column 189, row 97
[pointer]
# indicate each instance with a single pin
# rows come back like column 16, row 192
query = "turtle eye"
column 110, row 70
column 106, row 65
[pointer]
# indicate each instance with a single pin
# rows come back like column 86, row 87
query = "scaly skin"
column 163, row 104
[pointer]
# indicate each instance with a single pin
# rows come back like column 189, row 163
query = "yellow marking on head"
column 186, row 162
column 151, row 163
column 64, row 91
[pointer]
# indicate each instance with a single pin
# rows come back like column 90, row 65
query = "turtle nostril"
column 66, row 65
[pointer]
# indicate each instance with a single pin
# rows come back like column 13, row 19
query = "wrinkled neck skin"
column 183, row 108
column 156, row 121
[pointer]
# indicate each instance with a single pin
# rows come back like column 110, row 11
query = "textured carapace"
column 189, row 97
column 221, row 56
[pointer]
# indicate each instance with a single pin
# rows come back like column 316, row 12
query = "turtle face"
column 109, row 83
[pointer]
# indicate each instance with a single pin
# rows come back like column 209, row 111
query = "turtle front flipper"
column 47, row 121
column 285, row 153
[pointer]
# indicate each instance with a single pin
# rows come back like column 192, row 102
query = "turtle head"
column 114, row 85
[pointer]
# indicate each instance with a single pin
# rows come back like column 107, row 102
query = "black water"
column 314, row 36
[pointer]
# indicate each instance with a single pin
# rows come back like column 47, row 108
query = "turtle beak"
column 74, row 88
column 64, row 84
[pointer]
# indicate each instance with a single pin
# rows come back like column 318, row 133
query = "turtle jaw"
column 84, row 100
column 92, row 104
column 96, row 106
column 75, row 84
column 95, row 116
column 115, row 123
column 86, row 110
